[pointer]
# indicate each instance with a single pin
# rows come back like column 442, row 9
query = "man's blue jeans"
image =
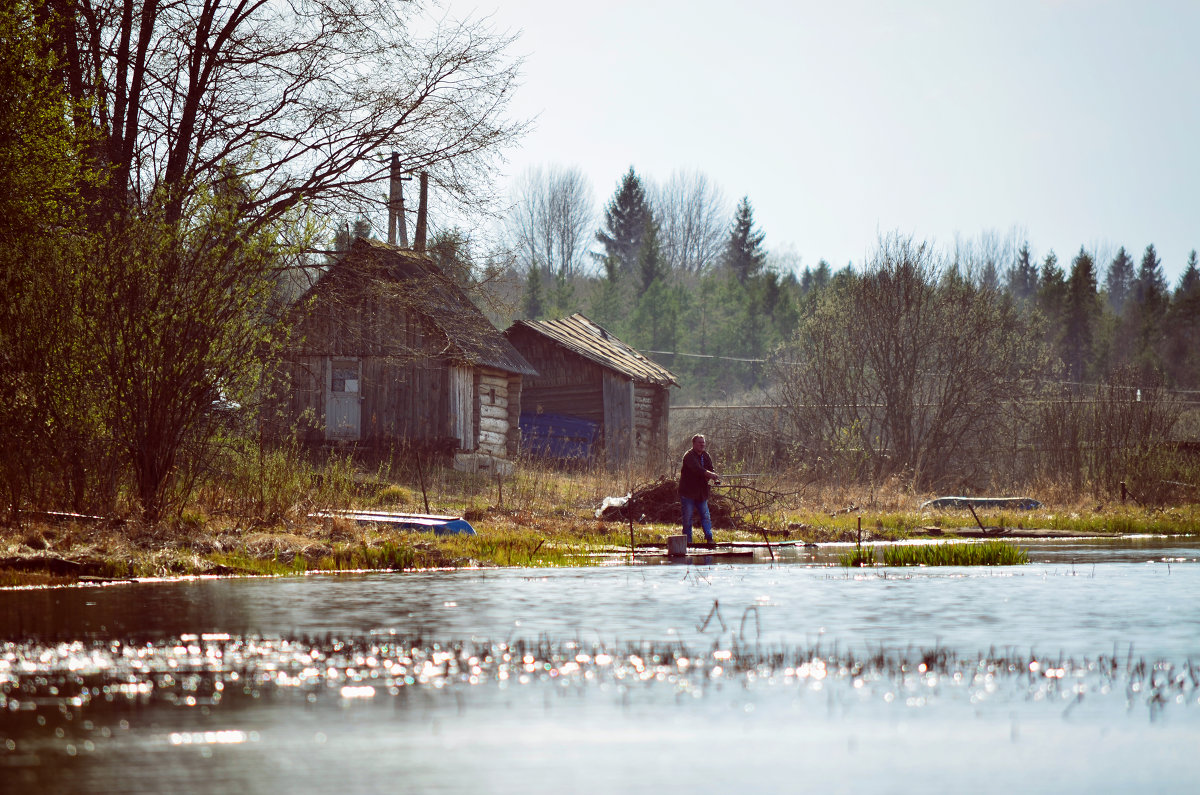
column 690, row 506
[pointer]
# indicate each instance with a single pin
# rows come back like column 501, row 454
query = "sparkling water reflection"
column 1076, row 672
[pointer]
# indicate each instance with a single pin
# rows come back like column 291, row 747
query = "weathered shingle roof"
column 589, row 340
column 429, row 293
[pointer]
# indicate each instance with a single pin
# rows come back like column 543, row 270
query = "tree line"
column 671, row 269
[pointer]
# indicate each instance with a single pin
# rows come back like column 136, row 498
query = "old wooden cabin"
column 391, row 351
column 592, row 393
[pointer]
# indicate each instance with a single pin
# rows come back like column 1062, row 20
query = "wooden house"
column 389, row 350
column 591, row 392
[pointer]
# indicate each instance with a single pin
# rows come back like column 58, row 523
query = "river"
column 1072, row 673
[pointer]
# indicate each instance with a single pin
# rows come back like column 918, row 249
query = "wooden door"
column 618, row 419
column 462, row 406
column 343, row 399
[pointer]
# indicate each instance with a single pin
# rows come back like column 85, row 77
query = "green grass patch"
column 387, row 555
column 988, row 553
column 244, row 563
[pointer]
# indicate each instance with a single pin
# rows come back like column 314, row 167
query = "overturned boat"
column 440, row 525
column 1010, row 503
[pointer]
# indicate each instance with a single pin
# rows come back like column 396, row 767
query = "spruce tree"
column 1189, row 281
column 1150, row 286
column 1081, row 315
column 744, row 254
column 651, row 265
column 1023, row 278
column 1183, row 329
column 1145, row 314
column 1119, row 280
column 626, row 219
column 1051, row 301
column 535, row 302
column 608, row 301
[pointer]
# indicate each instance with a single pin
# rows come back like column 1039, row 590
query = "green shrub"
column 394, row 495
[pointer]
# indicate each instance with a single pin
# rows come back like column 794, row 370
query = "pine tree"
column 626, row 219
column 744, row 254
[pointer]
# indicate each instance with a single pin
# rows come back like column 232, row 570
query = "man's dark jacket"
column 692, row 482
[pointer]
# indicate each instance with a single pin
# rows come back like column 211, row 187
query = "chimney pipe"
column 393, row 199
column 396, row 204
column 422, row 209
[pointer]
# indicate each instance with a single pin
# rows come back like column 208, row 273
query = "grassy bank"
column 537, row 517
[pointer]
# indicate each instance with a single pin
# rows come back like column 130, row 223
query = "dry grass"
column 538, row 516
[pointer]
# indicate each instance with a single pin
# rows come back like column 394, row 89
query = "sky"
column 1067, row 122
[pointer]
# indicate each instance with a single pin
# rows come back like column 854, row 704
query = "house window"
column 345, row 377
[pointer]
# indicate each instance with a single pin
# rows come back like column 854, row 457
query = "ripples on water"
column 101, row 691
column 202, row 670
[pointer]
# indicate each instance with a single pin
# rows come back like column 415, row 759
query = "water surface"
column 1074, row 672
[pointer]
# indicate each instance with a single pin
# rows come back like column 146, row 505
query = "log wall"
column 406, row 388
column 566, row 383
column 493, row 408
column 633, row 417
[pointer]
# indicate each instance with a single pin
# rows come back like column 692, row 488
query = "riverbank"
column 557, row 529
column 537, row 519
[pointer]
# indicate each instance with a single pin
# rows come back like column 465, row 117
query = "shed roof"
column 429, row 293
column 589, row 340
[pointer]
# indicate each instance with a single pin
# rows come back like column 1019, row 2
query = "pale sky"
column 1074, row 121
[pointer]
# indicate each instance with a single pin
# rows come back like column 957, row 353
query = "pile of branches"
column 658, row 502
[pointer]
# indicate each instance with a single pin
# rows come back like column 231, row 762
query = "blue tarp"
column 558, row 435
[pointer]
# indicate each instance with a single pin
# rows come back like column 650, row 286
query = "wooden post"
column 629, row 516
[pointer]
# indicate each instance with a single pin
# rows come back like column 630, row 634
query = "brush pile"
column 658, row 502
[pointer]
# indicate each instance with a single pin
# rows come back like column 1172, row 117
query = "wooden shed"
column 589, row 377
column 388, row 349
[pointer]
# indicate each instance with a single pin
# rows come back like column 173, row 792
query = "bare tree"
column 552, row 220
column 984, row 259
column 294, row 102
column 909, row 366
column 693, row 223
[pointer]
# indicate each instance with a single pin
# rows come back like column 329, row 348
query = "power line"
column 1086, row 384
column 705, row 356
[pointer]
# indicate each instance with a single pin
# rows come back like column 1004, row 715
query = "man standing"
column 694, row 477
